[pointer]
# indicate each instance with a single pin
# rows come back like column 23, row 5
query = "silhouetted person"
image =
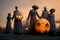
column 17, row 23
column 51, row 19
column 32, row 16
column 8, row 25
column 45, row 13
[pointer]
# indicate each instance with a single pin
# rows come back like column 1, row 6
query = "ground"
column 27, row 37
column 11, row 36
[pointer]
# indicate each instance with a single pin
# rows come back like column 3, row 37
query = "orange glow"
column 26, row 29
column 19, row 17
column 42, row 26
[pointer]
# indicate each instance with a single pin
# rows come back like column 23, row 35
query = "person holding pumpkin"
column 32, row 16
column 17, row 21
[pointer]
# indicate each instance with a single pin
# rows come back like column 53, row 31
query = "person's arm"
column 10, row 17
column 13, row 15
column 29, row 15
column 42, row 14
column 54, row 20
column 28, row 18
column 38, row 15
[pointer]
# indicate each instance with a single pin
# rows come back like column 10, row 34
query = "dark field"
column 27, row 37
column 12, row 36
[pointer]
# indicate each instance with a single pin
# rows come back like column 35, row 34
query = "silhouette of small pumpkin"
column 42, row 26
column 19, row 16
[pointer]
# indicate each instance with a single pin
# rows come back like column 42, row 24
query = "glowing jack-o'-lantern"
column 19, row 16
column 42, row 26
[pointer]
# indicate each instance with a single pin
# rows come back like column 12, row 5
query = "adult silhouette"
column 51, row 19
column 17, row 23
column 32, row 17
column 45, row 13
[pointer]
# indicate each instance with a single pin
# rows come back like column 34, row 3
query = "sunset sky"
column 7, row 6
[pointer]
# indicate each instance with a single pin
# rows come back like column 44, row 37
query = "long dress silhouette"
column 17, row 23
column 51, row 19
column 32, row 16
column 8, row 25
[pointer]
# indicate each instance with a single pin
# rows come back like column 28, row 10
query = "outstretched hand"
column 12, row 18
column 26, row 22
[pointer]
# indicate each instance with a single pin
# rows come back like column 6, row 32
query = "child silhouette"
column 8, row 25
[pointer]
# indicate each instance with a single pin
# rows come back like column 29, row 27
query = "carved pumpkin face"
column 19, row 16
column 42, row 26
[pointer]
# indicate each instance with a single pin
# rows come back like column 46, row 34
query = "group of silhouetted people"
column 32, row 16
column 17, row 23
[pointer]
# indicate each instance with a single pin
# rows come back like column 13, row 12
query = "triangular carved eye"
column 47, row 25
column 38, row 24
